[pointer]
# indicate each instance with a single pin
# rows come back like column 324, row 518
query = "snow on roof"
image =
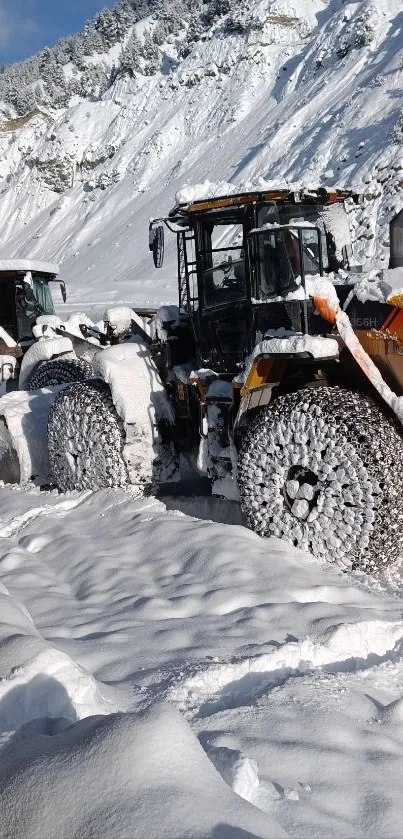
column 220, row 192
column 202, row 191
column 29, row 265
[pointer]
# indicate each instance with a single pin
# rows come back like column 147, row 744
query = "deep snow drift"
column 308, row 92
column 287, row 673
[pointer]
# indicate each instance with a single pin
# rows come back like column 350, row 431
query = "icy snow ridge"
column 340, row 644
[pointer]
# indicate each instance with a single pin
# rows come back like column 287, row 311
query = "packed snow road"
column 165, row 675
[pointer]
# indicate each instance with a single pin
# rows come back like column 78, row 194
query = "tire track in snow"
column 343, row 648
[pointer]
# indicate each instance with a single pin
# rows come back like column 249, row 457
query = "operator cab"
column 24, row 295
column 245, row 261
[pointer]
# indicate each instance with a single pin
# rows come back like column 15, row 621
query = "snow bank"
column 36, row 679
column 290, row 674
column 122, row 775
column 26, row 417
column 237, row 770
column 340, row 643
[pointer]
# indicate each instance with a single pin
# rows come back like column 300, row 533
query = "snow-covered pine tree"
column 130, row 58
column 111, row 26
column 171, row 17
column 94, row 81
column 397, row 132
column 216, row 9
column 25, row 101
column 151, row 54
column 92, row 40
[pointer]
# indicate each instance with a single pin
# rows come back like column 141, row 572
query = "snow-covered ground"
column 166, row 675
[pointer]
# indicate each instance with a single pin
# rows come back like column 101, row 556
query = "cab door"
column 224, row 317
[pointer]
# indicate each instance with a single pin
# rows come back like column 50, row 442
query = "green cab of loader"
column 24, row 296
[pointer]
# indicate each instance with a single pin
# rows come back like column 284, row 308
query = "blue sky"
column 28, row 25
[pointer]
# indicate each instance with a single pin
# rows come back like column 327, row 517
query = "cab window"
column 32, row 299
column 223, row 264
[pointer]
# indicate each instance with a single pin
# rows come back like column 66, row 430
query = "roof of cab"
column 321, row 195
column 21, row 266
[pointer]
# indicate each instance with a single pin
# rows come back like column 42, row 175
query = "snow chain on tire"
column 86, row 438
column 59, row 371
column 322, row 468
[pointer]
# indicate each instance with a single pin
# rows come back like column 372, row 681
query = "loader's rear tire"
column 86, row 438
column 322, row 468
column 59, row 371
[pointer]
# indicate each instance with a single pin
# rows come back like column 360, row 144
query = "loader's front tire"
column 322, row 468
column 59, row 371
column 86, row 438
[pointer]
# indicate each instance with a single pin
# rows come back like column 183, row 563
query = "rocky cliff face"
column 299, row 91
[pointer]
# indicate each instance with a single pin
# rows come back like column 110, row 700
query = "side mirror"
column 156, row 244
column 63, row 291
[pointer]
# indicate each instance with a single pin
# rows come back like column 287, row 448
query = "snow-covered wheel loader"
column 285, row 376
column 276, row 374
column 27, row 314
column 36, row 352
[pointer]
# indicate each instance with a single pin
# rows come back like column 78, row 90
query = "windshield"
column 311, row 257
column 331, row 220
column 285, row 255
column 223, row 260
column 33, row 298
column 43, row 297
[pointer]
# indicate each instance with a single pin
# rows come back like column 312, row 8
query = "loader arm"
column 330, row 310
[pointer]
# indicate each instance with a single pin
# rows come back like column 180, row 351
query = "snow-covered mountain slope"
column 306, row 91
